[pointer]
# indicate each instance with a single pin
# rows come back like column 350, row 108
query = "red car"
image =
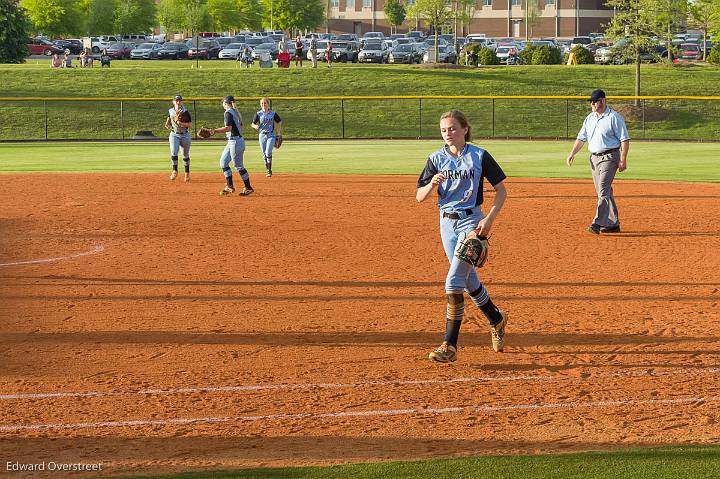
column 120, row 50
column 690, row 51
column 207, row 49
column 38, row 46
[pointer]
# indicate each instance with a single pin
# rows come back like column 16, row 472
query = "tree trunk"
column 637, row 77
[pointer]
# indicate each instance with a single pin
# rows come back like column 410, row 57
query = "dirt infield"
column 157, row 327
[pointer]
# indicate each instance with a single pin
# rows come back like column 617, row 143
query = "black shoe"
column 594, row 229
column 610, row 229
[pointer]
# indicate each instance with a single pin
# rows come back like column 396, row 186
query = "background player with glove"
column 179, row 122
column 456, row 171
column 269, row 124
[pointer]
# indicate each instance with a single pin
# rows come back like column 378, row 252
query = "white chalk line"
column 97, row 249
column 372, row 413
column 214, row 389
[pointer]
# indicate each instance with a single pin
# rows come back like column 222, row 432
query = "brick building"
column 495, row 18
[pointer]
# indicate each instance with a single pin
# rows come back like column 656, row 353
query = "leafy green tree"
column 251, row 14
column 100, row 17
column 705, row 16
column 438, row 14
column 171, row 15
column 225, row 14
column 197, row 17
column 54, row 17
column 414, row 15
column 464, row 13
column 547, row 55
column 14, row 26
column 395, row 13
column 636, row 21
column 670, row 17
column 135, row 16
column 292, row 15
column 487, row 56
column 532, row 17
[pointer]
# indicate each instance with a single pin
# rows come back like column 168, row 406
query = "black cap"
column 229, row 99
column 177, row 97
column 596, row 95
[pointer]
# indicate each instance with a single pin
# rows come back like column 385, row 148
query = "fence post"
column 493, row 117
column 342, row 116
column 420, row 125
column 122, row 120
column 643, row 118
column 195, row 117
column 567, row 118
column 46, row 119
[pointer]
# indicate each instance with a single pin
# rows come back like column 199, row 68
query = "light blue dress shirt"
column 603, row 132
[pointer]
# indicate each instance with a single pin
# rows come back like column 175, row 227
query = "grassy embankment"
column 379, row 118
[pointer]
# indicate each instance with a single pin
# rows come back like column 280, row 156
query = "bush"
column 582, row 55
column 468, row 51
column 547, row 55
column 527, row 54
column 486, row 56
column 714, row 55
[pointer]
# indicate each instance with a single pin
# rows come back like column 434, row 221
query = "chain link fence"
column 659, row 118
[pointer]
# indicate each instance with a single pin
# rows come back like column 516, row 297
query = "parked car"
column 225, row 41
column 137, row 39
column 690, row 51
column 99, row 44
column 145, row 51
column 505, row 52
column 252, row 42
column 74, row 45
column 206, row 49
column 417, row 35
column 265, row 48
column 173, row 51
column 405, row 53
column 583, row 41
column 373, row 51
column 344, row 51
column 614, row 53
column 38, row 46
column 120, row 50
column 232, row 51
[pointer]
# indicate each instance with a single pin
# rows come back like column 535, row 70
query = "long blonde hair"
column 460, row 117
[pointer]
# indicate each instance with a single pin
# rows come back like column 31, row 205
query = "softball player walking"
column 608, row 141
column 234, row 149
column 269, row 124
column 456, row 172
column 179, row 122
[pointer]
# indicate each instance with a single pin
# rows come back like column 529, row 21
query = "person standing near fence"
column 313, row 50
column 179, row 123
column 269, row 124
column 456, row 173
column 299, row 51
column 234, row 149
column 329, row 53
column 608, row 141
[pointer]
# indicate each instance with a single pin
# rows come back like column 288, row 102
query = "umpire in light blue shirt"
column 608, row 141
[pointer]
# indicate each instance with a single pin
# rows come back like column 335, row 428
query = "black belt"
column 611, row 150
column 456, row 216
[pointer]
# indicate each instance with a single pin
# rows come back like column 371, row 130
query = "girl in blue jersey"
column 456, row 171
column 234, row 150
column 269, row 124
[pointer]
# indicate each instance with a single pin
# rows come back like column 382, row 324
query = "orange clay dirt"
column 164, row 328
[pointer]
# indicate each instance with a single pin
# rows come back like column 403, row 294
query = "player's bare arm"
column 624, row 148
column 168, row 123
column 577, row 146
column 224, row 129
column 484, row 226
column 424, row 191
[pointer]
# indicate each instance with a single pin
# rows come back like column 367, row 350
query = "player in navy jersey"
column 456, row 172
column 234, row 150
column 179, row 135
column 269, row 124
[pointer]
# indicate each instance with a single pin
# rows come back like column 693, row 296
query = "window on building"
column 549, row 2
column 410, row 2
column 487, row 3
column 335, row 3
column 350, row 5
column 516, row 3
column 367, row 3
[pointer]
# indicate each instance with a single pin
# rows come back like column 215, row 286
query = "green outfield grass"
column 679, row 119
column 684, row 462
column 670, row 161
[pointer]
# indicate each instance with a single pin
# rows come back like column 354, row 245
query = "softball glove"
column 204, row 132
column 473, row 250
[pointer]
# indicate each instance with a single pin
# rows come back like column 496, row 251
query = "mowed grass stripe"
column 685, row 462
column 668, row 161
